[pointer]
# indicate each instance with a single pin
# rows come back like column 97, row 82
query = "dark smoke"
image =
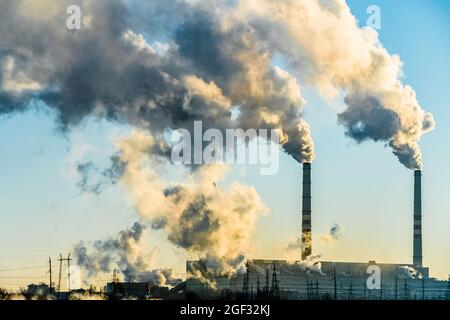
column 366, row 119
column 107, row 70
column 198, row 223
column 93, row 180
column 85, row 170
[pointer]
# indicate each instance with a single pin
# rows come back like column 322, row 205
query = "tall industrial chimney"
column 417, row 240
column 306, row 212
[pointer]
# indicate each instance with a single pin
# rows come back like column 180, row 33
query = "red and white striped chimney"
column 417, row 233
column 306, row 212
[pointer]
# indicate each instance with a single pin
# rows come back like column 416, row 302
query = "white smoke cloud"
column 127, row 252
column 204, row 69
column 215, row 58
column 198, row 214
column 410, row 272
column 325, row 46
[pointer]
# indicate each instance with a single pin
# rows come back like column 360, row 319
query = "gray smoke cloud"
column 197, row 61
column 161, row 65
column 334, row 234
column 197, row 214
column 93, row 179
column 324, row 46
column 127, row 253
column 85, row 170
column 106, row 69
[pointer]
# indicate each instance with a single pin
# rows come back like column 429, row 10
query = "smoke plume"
column 162, row 65
column 325, row 46
column 108, row 69
column 206, row 60
column 198, row 215
column 127, row 253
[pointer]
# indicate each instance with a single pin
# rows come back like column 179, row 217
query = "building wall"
column 296, row 282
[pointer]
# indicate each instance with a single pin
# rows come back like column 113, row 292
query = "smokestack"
column 417, row 242
column 306, row 212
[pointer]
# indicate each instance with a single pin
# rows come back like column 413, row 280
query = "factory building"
column 325, row 280
column 306, row 279
column 139, row 290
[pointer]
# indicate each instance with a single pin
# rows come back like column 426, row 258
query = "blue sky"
column 362, row 187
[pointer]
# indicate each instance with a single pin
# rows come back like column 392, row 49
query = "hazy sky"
column 362, row 187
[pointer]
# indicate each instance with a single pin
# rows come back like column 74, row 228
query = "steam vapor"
column 207, row 67
column 198, row 215
column 128, row 253
column 212, row 59
column 160, row 65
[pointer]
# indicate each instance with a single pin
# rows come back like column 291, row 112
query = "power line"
column 23, row 268
column 22, row 256
column 23, row 277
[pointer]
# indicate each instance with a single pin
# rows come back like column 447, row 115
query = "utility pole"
column 317, row 294
column 275, row 291
column 447, row 295
column 59, row 278
column 381, row 289
column 258, row 288
column 308, row 297
column 350, row 291
column 50, row 273
column 68, row 272
column 406, row 290
column 335, row 283
column 365, row 293
column 247, row 280
column 244, row 287
column 396, row 288
column 423, row 288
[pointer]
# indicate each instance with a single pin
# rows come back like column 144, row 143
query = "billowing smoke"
column 161, row 65
column 325, row 46
column 210, row 59
column 198, row 215
column 311, row 265
column 204, row 67
column 334, row 234
column 127, row 253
